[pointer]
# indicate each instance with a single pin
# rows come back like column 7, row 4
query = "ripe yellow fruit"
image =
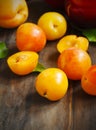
column 54, row 24
column 22, row 63
column 13, row 13
column 52, row 83
column 72, row 41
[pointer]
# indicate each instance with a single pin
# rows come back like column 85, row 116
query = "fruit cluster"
column 73, row 62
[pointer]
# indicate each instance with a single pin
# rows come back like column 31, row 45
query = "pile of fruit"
column 73, row 63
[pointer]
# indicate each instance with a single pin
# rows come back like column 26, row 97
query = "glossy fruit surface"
column 22, row 63
column 88, row 81
column 74, row 62
column 54, row 25
column 52, row 83
column 30, row 37
column 72, row 41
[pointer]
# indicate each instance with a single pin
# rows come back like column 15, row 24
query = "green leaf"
column 39, row 68
column 3, row 50
column 90, row 34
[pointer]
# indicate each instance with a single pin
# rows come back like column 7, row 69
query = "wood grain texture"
column 21, row 108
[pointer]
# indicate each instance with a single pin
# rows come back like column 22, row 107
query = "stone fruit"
column 13, row 13
column 88, row 81
column 54, row 24
column 30, row 37
column 24, row 62
column 52, row 83
column 74, row 62
column 72, row 41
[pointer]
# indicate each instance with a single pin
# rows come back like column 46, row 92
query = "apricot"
column 52, row 83
column 74, row 62
column 54, row 25
column 22, row 63
column 30, row 37
column 13, row 13
column 72, row 41
column 88, row 81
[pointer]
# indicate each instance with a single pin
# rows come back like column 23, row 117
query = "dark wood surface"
column 21, row 108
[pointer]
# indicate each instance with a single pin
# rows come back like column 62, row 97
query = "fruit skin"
column 54, row 24
column 52, row 83
column 30, row 37
column 74, row 62
column 88, row 81
column 72, row 41
column 13, row 13
column 22, row 63
column 81, row 12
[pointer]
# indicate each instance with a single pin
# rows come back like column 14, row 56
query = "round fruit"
column 74, row 62
column 54, row 24
column 30, row 37
column 13, row 13
column 72, row 41
column 52, row 83
column 88, row 81
column 23, row 62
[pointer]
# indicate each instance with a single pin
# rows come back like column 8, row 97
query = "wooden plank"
column 21, row 108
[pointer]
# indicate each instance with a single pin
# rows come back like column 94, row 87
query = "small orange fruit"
column 23, row 62
column 74, row 62
column 88, row 81
column 30, row 37
column 52, row 83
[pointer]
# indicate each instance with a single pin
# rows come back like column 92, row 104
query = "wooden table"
column 21, row 108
